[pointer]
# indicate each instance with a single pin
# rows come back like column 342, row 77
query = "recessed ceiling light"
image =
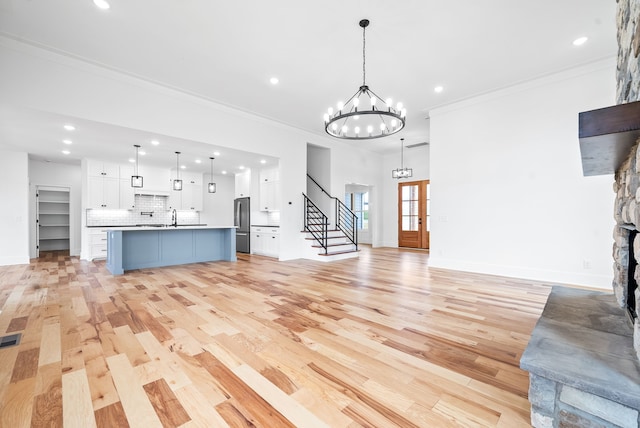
column 241, row 167
column 580, row 41
column 70, row 127
column 438, row 89
column 224, row 172
column 262, row 161
column 183, row 167
column 142, row 153
column 65, row 152
column 132, row 160
column 102, row 4
column 67, row 142
column 198, row 161
column 155, row 142
column 274, row 80
column 216, row 153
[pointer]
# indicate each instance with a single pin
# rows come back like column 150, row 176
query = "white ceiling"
column 227, row 51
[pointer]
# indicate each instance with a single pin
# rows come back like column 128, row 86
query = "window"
column 359, row 204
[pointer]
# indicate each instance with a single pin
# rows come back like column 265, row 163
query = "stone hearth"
column 582, row 365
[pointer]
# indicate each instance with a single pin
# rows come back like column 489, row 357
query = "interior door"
column 413, row 214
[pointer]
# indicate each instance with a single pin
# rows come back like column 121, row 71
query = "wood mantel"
column 606, row 137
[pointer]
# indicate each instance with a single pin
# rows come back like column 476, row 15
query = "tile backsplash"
column 148, row 210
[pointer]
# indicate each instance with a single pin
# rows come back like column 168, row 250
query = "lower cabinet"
column 265, row 241
column 97, row 243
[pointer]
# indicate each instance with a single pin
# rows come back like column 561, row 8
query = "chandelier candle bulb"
column 364, row 109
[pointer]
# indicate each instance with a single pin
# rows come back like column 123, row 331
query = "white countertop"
column 156, row 228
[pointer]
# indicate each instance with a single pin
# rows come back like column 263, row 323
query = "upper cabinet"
column 243, row 184
column 270, row 189
column 103, row 185
column 103, row 169
column 191, row 196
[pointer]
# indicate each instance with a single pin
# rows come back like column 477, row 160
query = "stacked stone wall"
column 627, row 182
column 628, row 69
column 627, row 216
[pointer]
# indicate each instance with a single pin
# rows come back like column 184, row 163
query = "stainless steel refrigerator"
column 242, row 220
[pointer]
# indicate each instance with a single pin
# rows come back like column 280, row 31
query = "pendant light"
column 211, row 187
column 365, row 115
column 402, row 172
column 136, row 180
column 177, row 183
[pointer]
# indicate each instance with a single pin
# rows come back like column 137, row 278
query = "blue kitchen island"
column 131, row 248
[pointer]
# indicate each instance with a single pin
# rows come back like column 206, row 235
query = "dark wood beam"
column 606, row 137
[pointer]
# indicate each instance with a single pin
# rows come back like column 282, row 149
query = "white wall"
column 46, row 81
column 218, row 207
column 14, row 215
column 416, row 158
column 508, row 194
column 55, row 174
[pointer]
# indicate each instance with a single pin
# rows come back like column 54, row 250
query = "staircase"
column 329, row 239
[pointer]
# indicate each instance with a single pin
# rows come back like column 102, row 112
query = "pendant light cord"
column 364, row 72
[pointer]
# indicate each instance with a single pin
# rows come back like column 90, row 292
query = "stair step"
column 328, row 237
column 338, row 244
column 338, row 252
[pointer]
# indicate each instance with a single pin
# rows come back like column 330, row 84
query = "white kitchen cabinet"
column 103, row 192
column 265, row 240
column 269, row 190
column 154, row 180
column 97, row 243
column 102, row 169
column 127, row 200
column 243, row 184
column 190, row 197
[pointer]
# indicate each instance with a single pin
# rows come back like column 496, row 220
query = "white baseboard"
column 555, row 277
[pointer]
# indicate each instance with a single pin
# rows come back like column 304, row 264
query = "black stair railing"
column 345, row 219
column 316, row 223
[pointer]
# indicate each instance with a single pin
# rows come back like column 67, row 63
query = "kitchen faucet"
column 174, row 218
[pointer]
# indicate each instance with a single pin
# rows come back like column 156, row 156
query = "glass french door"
column 413, row 214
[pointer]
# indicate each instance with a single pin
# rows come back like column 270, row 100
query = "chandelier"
column 402, row 172
column 365, row 115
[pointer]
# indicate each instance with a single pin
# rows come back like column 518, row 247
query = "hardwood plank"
column 260, row 409
column 26, row 365
column 77, row 409
column 287, row 406
column 47, row 406
column 127, row 343
column 17, row 324
column 135, row 402
column 167, row 406
column 199, row 408
column 17, row 406
column 111, row 416
column 50, row 345
column 103, row 390
column 165, row 362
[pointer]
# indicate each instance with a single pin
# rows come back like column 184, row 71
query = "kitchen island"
column 131, row 248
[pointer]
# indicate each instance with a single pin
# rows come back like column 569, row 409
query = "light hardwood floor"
column 378, row 341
